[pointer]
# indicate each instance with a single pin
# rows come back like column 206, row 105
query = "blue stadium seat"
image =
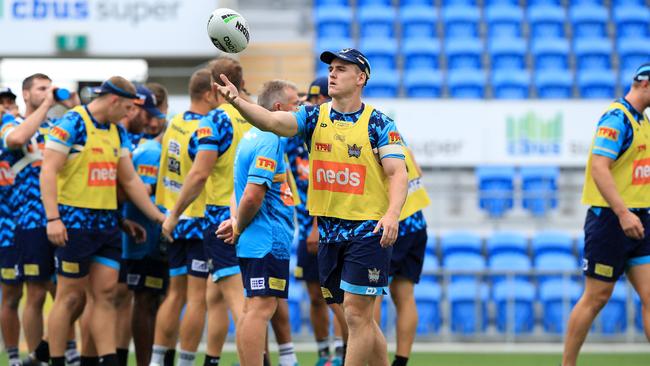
column 329, row 44
column 503, row 242
column 546, row 21
column 296, row 296
column 495, row 189
column 593, row 54
column 588, row 2
column 466, row 84
column 364, row 3
column 333, row 21
column 612, row 319
column 421, row 54
column 507, row 53
column 432, row 243
column 632, row 21
column 405, row 3
column 501, row 2
column 427, row 299
column 539, row 188
column 460, row 242
column 382, row 84
column 423, row 83
column 597, row 84
column 464, row 53
column 470, row 264
column 461, row 21
column 517, row 263
column 515, row 312
column 633, row 52
column 511, row 84
column 382, row 53
column 319, row 3
column 549, row 241
column 458, row 3
column 589, row 21
column 622, row 3
column 504, row 21
column 638, row 317
column 558, row 298
column 418, row 22
column 580, row 246
column 376, row 22
column 550, row 54
column 429, row 268
column 544, row 2
column 467, row 300
column 554, row 84
column 625, row 77
column 555, row 262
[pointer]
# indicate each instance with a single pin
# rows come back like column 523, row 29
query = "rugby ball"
column 228, row 30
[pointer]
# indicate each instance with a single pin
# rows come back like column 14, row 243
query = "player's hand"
column 57, row 234
column 390, row 224
column 632, row 226
column 168, row 227
column 134, row 230
column 49, row 100
column 312, row 241
column 71, row 102
column 229, row 90
column 227, row 231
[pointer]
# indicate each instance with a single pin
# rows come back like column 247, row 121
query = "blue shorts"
column 187, row 257
column 222, row 257
column 408, row 256
column 266, row 276
column 608, row 252
column 121, row 276
column 86, row 246
column 307, row 268
column 37, row 254
column 359, row 266
column 10, row 265
column 147, row 274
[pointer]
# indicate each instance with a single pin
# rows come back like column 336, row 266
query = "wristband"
column 54, row 219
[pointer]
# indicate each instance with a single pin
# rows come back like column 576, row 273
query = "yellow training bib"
column 417, row 197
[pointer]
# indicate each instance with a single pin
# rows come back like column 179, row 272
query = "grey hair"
column 273, row 92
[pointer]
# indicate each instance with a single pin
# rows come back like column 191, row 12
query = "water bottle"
column 61, row 94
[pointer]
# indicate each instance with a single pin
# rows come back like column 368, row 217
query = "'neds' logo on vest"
column 102, row 174
column 339, row 177
column 6, row 174
column 641, row 172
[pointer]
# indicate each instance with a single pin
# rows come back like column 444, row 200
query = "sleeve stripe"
column 125, row 153
column 390, row 150
column 606, row 150
column 57, row 146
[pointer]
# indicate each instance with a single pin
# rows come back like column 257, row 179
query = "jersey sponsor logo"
column 414, row 185
column 97, row 150
column 371, row 291
column 69, row 267
column 338, row 137
column 327, row 294
column 354, row 151
column 641, row 172
column 323, row 124
column 265, row 163
column 203, row 132
column 277, row 284
column 153, row 282
column 585, row 264
column 342, row 124
column 608, row 133
column 172, row 185
column 604, row 270
column 148, row 171
column 174, row 165
column 323, row 147
column 31, row 270
column 298, row 272
column 102, row 174
column 302, row 166
column 6, row 174
column 132, row 279
column 286, row 195
column 199, row 266
column 8, row 274
column 641, row 148
column 394, row 137
column 373, row 275
column 174, row 148
column 339, row 177
column 59, row 133
column 258, row 283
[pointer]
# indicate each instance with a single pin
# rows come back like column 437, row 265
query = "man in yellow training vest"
column 617, row 187
column 357, row 187
column 85, row 157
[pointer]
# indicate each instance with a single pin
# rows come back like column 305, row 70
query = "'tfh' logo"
column 533, row 135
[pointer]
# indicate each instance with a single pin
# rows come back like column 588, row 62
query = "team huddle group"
column 139, row 226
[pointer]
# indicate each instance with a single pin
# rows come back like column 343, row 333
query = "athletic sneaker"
column 336, row 361
column 323, row 361
column 31, row 361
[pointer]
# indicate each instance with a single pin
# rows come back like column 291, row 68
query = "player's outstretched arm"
column 136, row 191
column 280, row 123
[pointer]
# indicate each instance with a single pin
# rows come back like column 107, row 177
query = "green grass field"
column 472, row 359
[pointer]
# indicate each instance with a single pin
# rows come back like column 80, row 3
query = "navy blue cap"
column 350, row 55
column 318, row 87
column 643, row 72
column 109, row 88
column 7, row 92
column 146, row 100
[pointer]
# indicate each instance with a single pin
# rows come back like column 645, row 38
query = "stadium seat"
column 550, row 54
column 558, row 298
column 561, row 266
column 432, row 243
column 406, row 3
column 430, row 268
column 423, row 83
column 539, row 188
column 504, row 21
column 319, row 3
column 427, row 299
column 503, row 242
column 329, row 44
column 633, row 52
column 580, row 246
column 501, row 2
column 382, row 84
column 376, row 22
column 632, row 21
column 544, row 2
column 461, row 21
column 421, row 54
column 517, row 266
column 549, row 241
column 638, row 317
column 546, row 21
column 464, row 53
column 621, row 3
column 295, row 298
column 418, row 22
column 589, row 21
column 468, row 307
column 515, row 311
column 507, row 53
column 554, row 84
column 588, row 2
column 511, row 84
column 382, row 53
column 593, row 54
column 470, row 266
column 458, row 3
column 597, row 84
column 333, row 21
column 612, row 319
column 495, row 189
column 370, row 3
column 460, row 242
column 466, row 84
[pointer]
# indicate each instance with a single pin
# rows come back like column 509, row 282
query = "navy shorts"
column 307, row 268
column 147, row 274
column 359, row 266
column 10, row 265
column 222, row 257
column 608, row 252
column 86, row 246
column 267, row 276
column 37, row 254
column 187, row 257
column 408, row 256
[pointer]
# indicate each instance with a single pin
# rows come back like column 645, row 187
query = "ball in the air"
column 228, row 30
